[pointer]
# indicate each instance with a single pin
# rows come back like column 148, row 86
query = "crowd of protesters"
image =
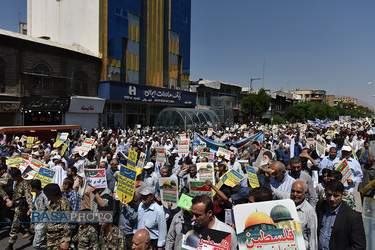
column 325, row 205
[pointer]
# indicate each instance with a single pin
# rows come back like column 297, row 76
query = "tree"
column 257, row 103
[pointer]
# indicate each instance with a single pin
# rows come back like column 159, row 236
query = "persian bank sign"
column 148, row 94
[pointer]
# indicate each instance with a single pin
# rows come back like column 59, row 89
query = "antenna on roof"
column 19, row 21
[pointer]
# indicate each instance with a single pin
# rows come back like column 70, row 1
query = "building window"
column 2, row 75
column 174, row 36
column 133, row 76
column 133, row 47
column 133, row 19
column 120, row 16
column 42, row 81
column 113, row 73
column 80, row 82
column 173, row 59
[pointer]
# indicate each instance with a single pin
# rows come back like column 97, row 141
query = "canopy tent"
column 186, row 118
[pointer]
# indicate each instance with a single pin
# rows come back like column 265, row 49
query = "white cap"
column 346, row 148
column 149, row 165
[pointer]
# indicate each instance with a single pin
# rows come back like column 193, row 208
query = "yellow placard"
column 29, row 142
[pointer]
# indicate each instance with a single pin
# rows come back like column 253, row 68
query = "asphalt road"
column 20, row 243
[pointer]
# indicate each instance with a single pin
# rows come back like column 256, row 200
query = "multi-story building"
column 311, row 95
column 345, row 99
column 144, row 46
column 47, row 83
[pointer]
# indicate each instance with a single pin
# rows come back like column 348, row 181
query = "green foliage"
column 311, row 110
column 277, row 119
column 257, row 103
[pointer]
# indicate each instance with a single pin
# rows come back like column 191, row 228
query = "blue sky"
column 318, row 44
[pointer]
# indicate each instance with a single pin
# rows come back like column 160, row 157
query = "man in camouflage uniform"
column 58, row 234
column 87, row 237
column 22, row 200
column 111, row 237
column 5, row 197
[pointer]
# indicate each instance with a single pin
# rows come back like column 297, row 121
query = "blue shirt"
column 153, row 220
column 285, row 185
column 128, row 218
column 327, row 162
column 74, row 199
column 326, row 229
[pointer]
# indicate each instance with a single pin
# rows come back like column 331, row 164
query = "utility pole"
column 251, row 90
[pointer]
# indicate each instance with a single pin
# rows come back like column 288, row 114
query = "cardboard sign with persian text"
column 209, row 131
column 29, row 142
column 224, row 151
column 32, row 169
column 310, row 141
column 268, row 225
column 345, row 170
column 45, row 175
column 182, row 136
column 320, row 147
column 65, row 147
column 127, row 178
column 160, row 156
column 203, row 238
column 205, row 171
column 210, row 156
column 60, row 139
column 197, row 188
column 15, row 162
column 86, row 146
column 141, row 160
column 96, row 178
column 23, row 138
column 252, row 176
column 126, row 183
column 183, row 148
column 168, row 191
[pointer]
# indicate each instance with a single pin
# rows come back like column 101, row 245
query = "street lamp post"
column 251, row 89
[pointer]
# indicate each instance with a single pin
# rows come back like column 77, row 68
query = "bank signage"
column 80, row 104
column 147, row 94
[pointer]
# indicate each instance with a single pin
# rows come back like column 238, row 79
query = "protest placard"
column 45, row 176
column 126, row 183
column 168, row 191
column 268, row 225
column 23, row 138
column 310, row 141
column 224, row 151
column 65, row 147
column 160, row 156
column 14, row 161
column 182, row 136
column 32, row 169
column 141, row 160
column 132, row 158
column 210, row 156
column 183, row 148
column 199, row 188
column 60, row 139
column 185, row 202
column 320, row 147
column 96, row 178
column 29, row 142
column 252, row 176
column 224, row 136
column 205, row 171
column 231, row 178
column 86, row 146
column 203, row 238
column 344, row 168
column 209, row 131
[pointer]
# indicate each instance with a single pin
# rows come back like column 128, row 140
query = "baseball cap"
column 149, row 165
column 346, row 148
column 148, row 190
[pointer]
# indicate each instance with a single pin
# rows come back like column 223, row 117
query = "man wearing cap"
column 58, row 234
column 23, row 203
column 151, row 217
column 354, row 166
column 234, row 164
column 150, row 177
